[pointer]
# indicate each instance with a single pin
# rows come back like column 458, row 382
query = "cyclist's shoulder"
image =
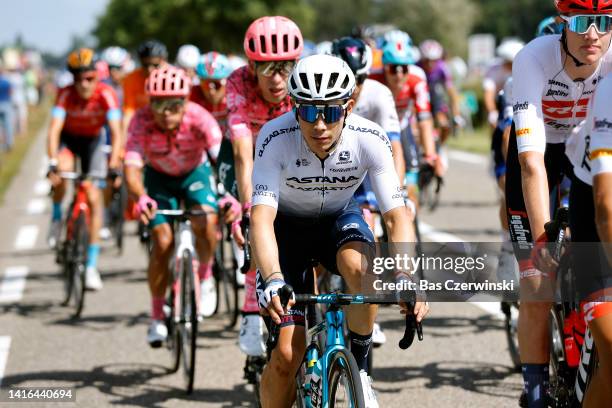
column 374, row 89
column 133, row 80
column 362, row 130
column 281, row 132
column 240, row 80
column 416, row 73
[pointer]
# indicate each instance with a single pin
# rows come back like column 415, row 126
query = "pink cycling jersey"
column 247, row 110
column 173, row 152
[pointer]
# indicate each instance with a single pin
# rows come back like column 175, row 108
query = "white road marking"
column 430, row 232
column 42, row 187
column 5, row 345
column 26, row 237
column 13, row 284
column 468, row 157
column 37, row 206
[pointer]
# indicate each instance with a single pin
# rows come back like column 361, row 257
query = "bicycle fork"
column 185, row 242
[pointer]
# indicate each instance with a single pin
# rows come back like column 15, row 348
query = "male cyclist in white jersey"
column 308, row 164
column 554, row 78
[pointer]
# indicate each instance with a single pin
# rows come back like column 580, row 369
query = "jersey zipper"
column 322, row 184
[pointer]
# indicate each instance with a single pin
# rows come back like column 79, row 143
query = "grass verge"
column 10, row 162
column 477, row 141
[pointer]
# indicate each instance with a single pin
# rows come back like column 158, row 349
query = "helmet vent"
column 251, row 45
column 304, row 80
column 318, row 82
column 345, row 83
column 262, row 43
column 286, row 43
column 332, row 79
column 274, row 44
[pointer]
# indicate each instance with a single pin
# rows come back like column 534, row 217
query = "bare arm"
column 53, row 137
column 454, row 99
column 243, row 162
column 426, row 128
column 602, row 191
column 265, row 248
column 133, row 178
column 535, row 191
column 116, row 143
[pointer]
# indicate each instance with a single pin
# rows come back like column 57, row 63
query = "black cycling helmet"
column 356, row 53
column 152, row 48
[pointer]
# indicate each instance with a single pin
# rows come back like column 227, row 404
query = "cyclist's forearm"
column 133, row 178
column 263, row 242
column 53, row 137
column 396, row 222
column 116, row 141
column 427, row 139
column 125, row 122
column 535, row 191
column 454, row 99
column 398, row 160
column 489, row 101
column 243, row 162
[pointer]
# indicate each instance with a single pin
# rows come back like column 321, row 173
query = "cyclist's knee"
column 601, row 328
column 162, row 239
column 287, row 357
column 535, row 310
column 350, row 265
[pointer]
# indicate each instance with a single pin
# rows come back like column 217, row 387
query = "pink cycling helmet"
column 273, row 39
column 168, row 81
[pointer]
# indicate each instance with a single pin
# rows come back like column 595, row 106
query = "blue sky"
column 48, row 24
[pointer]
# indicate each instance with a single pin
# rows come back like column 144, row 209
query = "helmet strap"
column 567, row 51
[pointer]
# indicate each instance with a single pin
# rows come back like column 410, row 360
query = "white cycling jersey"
column 376, row 103
column 495, row 78
column 288, row 176
column 547, row 103
column 593, row 139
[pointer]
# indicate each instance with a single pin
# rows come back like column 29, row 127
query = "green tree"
column 209, row 24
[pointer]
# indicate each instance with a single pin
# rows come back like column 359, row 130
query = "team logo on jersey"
column 602, row 125
column 344, row 156
column 565, row 109
column 302, row 162
column 352, row 225
column 523, row 132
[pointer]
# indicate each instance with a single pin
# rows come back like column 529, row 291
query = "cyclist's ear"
column 350, row 105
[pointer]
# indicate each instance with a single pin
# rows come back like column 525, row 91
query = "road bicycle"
column 71, row 254
column 328, row 376
column 182, row 303
column 117, row 208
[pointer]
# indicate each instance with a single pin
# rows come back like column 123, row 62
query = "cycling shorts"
column 304, row 242
column 411, row 150
column 497, row 153
column 557, row 165
column 194, row 188
column 90, row 151
column 589, row 265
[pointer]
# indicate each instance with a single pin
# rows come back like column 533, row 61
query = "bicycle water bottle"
column 312, row 380
column 572, row 349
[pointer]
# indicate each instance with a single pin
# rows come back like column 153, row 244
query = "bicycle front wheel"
column 189, row 320
column 78, row 261
column 345, row 388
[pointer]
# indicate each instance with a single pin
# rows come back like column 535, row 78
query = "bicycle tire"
column 66, row 274
column 78, row 262
column 119, row 216
column 189, row 320
column 342, row 363
column 511, row 330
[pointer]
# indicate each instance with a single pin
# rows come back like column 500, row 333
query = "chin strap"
column 567, row 51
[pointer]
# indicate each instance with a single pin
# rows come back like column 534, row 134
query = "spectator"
column 6, row 112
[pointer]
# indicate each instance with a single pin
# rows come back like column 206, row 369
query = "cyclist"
column 408, row 84
column 80, row 112
column 212, row 70
column 373, row 101
column 441, row 88
column 553, row 80
column 257, row 93
column 168, row 141
column 590, row 215
column 188, row 57
column 116, row 58
column 497, row 75
column 152, row 54
column 295, row 220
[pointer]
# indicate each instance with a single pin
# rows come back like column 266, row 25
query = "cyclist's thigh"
column 498, row 156
column 164, row 190
column 347, row 226
column 93, row 160
column 197, row 188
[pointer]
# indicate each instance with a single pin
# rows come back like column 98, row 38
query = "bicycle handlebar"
column 555, row 231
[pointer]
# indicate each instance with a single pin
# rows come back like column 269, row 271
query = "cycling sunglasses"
column 86, row 78
column 580, row 24
column 172, row 105
column 269, row 68
column 310, row 113
column 396, row 69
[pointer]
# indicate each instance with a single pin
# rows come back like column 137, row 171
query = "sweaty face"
column 589, row 47
column 85, row 83
column 321, row 136
column 273, row 83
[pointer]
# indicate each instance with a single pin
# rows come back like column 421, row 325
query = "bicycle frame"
column 79, row 203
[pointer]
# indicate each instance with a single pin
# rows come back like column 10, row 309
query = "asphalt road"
column 463, row 361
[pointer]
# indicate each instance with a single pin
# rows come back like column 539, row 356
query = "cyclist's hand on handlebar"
column 146, row 208
column 52, row 174
column 230, row 208
column 271, row 302
column 114, row 174
column 541, row 256
column 420, row 309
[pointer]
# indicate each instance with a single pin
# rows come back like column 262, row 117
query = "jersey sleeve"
column 381, row 170
column 422, row 102
column 527, row 85
column 601, row 136
column 388, row 114
column 134, row 150
column 237, row 107
column 111, row 101
column 267, row 170
column 208, row 126
column 61, row 101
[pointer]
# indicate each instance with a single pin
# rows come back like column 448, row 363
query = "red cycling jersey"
column 85, row 117
column 218, row 111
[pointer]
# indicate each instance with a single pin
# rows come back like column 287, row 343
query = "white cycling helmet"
column 508, row 49
column 188, row 56
column 431, row 50
column 115, row 56
column 397, row 36
column 321, row 78
column 324, row 48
